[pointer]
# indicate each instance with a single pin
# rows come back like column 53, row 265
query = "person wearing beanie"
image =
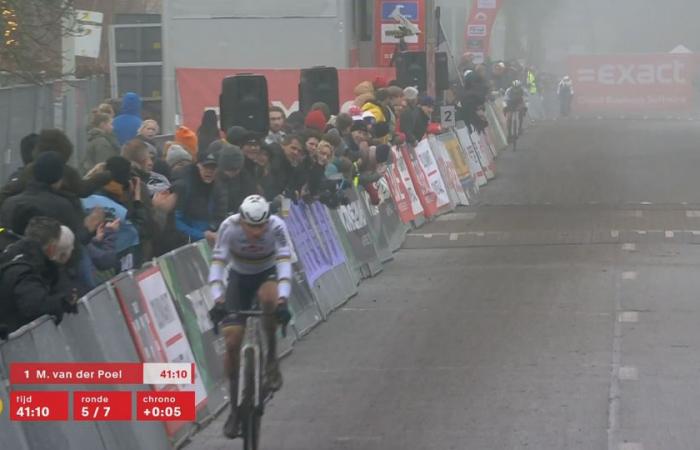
column 177, row 157
column 357, row 139
column 316, row 120
column 232, row 184
column 411, row 95
column 379, row 83
column 42, row 197
column 324, row 108
column 127, row 123
column 187, row 139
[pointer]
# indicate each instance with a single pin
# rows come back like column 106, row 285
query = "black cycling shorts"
column 242, row 290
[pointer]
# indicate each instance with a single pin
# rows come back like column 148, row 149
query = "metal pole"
column 431, row 44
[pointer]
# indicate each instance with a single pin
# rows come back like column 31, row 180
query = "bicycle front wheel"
column 250, row 413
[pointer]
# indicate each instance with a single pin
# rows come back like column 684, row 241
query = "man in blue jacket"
column 126, row 125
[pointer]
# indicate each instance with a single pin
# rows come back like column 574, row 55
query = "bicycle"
column 253, row 394
column 514, row 126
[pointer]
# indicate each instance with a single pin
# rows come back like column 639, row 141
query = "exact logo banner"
column 632, row 83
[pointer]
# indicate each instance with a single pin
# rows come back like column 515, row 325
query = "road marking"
column 615, row 234
column 645, row 203
column 456, row 216
column 454, row 236
column 628, row 373
column 629, row 247
column 692, row 214
column 669, row 234
column 642, row 232
column 629, row 275
column 695, row 232
column 628, row 317
column 427, row 236
column 632, row 213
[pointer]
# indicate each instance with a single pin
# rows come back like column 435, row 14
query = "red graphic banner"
column 479, row 27
column 428, row 197
column 200, row 88
column 632, row 83
column 391, row 17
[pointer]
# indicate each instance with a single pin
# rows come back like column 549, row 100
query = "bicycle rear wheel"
column 250, row 413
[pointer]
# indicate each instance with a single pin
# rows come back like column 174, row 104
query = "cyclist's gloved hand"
column 217, row 314
column 283, row 316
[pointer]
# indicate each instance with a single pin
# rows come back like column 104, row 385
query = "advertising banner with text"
column 632, row 83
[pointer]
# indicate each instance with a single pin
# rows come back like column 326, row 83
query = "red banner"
column 428, row 197
column 200, row 88
column 632, row 83
column 389, row 17
column 479, row 26
column 397, row 186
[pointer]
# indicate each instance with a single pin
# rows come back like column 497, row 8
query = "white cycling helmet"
column 517, row 83
column 255, row 210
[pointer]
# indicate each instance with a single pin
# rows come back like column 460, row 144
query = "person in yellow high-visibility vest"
column 532, row 82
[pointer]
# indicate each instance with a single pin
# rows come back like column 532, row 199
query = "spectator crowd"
column 68, row 224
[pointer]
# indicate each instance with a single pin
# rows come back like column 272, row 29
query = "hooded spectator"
column 124, row 199
column 26, row 149
column 194, row 212
column 232, row 183
column 102, row 143
column 177, row 158
column 208, row 130
column 188, row 140
column 31, row 280
column 316, row 120
column 127, row 123
column 324, row 108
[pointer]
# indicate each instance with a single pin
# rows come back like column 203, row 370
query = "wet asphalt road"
column 562, row 312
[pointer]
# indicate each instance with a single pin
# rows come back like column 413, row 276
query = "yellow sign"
column 453, row 148
column 0, row 406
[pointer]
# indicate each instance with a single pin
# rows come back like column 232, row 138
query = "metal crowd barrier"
column 123, row 320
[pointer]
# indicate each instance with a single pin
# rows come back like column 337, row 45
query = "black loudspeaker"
column 411, row 70
column 442, row 78
column 319, row 84
column 244, row 102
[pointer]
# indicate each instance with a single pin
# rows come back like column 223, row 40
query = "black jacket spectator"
column 56, row 140
column 26, row 148
column 31, row 283
column 232, row 184
column 41, row 197
column 194, row 212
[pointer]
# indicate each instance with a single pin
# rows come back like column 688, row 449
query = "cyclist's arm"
column 283, row 261
column 221, row 257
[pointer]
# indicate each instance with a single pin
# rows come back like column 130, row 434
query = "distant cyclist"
column 515, row 102
column 254, row 244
